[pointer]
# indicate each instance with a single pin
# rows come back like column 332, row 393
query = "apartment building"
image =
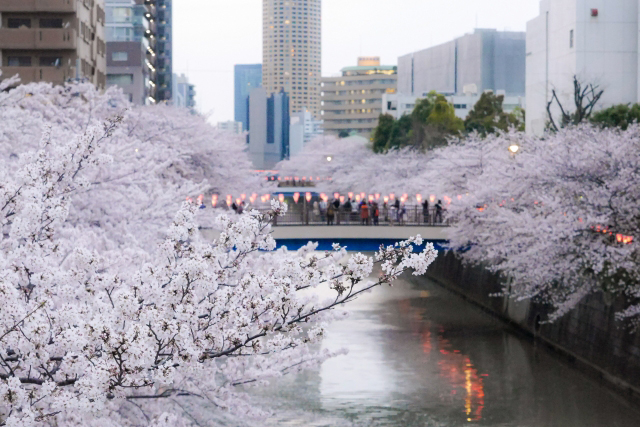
column 291, row 52
column 131, row 50
column 353, row 102
column 53, row 40
column 161, row 17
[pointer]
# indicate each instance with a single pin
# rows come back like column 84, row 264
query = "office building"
column 596, row 41
column 353, row 102
column 183, row 92
column 246, row 78
column 484, row 60
column 398, row 104
column 53, row 40
column 303, row 129
column 291, row 52
column 230, row 126
column 130, row 50
column 269, row 128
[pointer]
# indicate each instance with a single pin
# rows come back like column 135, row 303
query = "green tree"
column 431, row 123
column 488, row 116
column 382, row 133
column 434, row 122
column 343, row 134
column 620, row 116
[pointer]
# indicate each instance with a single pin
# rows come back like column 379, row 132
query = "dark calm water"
column 421, row 356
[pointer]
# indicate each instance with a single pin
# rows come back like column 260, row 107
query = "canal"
column 420, row 355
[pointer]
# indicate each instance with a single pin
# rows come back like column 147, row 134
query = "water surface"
column 421, row 356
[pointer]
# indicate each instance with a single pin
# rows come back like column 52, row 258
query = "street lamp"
column 514, row 148
column 329, row 158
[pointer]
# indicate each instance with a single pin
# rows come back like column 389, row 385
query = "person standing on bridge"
column 323, row 209
column 316, row 211
column 375, row 213
column 364, row 213
column 331, row 211
column 425, row 211
column 438, row 216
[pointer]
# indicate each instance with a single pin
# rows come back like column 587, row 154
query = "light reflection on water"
column 421, row 356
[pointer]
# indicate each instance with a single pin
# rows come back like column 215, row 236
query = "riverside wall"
column 589, row 337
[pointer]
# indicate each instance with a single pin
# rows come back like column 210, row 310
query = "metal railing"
column 413, row 216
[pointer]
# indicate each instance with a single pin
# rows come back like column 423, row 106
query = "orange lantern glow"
column 281, row 198
column 358, row 198
column 377, row 196
column 243, row 197
column 341, row 199
column 296, row 197
column 214, row 200
column 229, row 199
column 386, row 199
column 351, row 195
column 336, row 195
column 432, row 198
column 323, row 196
column 459, row 197
column 308, row 197
column 419, row 198
column 370, row 197
column 363, row 196
column 392, row 196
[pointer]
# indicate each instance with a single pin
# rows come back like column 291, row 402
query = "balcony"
column 54, row 75
column 59, row 6
column 35, row 39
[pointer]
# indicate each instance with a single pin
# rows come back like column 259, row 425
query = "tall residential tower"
column 291, row 51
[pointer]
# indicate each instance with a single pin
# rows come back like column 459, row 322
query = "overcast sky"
column 211, row 36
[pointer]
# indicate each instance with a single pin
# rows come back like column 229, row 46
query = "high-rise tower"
column 291, row 51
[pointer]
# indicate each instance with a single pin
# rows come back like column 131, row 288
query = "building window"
column 19, row 61
column 119, row 56
column 571, row 39
column 51, row 23
column 119, row 79
column 19, row 23
column 50, row 61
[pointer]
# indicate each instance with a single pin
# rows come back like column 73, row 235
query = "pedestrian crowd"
column 370, row 212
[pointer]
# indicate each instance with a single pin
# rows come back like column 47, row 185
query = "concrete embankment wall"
column 589, row 337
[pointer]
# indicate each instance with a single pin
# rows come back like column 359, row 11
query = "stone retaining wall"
column 589, row 337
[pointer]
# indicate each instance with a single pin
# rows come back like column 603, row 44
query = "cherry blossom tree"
column 140, row 336
column 559, row 218
column 159, row 156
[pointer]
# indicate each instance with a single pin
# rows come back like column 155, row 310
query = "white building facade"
column 595, row 40
column 303, row 129
column 398, row 104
